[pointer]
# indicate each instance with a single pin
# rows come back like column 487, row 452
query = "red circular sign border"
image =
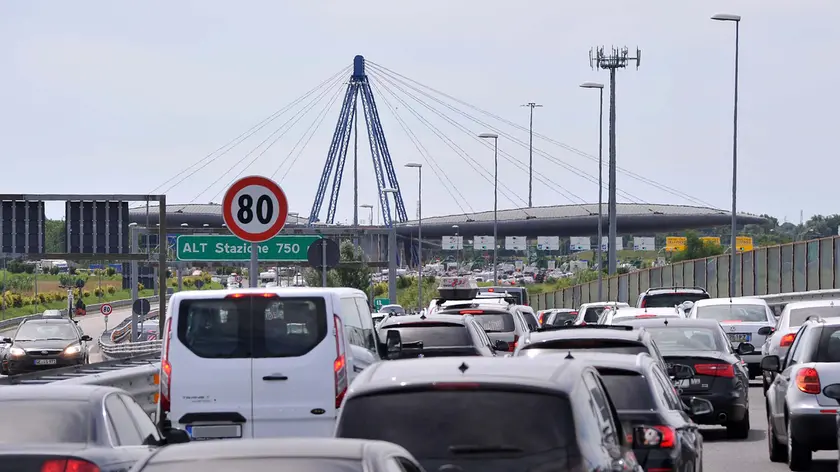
column 103, row 306
column 227, row 208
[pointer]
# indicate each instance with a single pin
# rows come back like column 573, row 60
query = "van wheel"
column 799, row 456
column 739, row 429
column 777, row 450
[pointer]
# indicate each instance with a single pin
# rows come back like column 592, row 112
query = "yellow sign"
column 710, row 240
column 744, row 243
column 675, row 243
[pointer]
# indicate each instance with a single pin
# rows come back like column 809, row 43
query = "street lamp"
column 419, row 167
column 737, row 20
column 495, row 138
column 378, row 253
column 600, row 87
column 392, row 253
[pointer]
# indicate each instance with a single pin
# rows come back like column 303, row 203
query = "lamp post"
column 600, row 88
column 733, row 243
column 495, row 138
column 419, row 167
column 378, row 256
column 392, row 254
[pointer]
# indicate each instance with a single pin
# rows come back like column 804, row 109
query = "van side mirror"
column 699, row 407
column 680, row 371
column 85, row 337
column 745, row 349
column 7, row 340
column 175, row 436
column 771, row 363
column 393, row 344
column 568, row 322
column 766, row 330
column 501, row 345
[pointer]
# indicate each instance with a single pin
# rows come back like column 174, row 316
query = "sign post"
column 106, row 310
column 255, row 209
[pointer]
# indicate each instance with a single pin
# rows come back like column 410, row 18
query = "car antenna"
column 569, row 355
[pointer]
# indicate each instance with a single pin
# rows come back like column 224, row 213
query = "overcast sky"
column 119, row 96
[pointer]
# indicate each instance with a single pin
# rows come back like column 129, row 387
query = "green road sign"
column 378, row 303
column 230, row 248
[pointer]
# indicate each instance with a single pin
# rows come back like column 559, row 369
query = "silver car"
column 744, row 320
column 784, row 333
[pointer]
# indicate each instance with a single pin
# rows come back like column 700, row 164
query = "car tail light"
column 542, row 315
column 787, row 340
column 491, row 290
column 340, row 364
column 646, row 316
column 69, row 465
column 669, row 437
column 715, row 370
column 471, row 312
column 573, row 313
column 583, row 323
column 247, row 294
column 644, row 303
column 512, row 346
column 166, row 369
column 808, row 381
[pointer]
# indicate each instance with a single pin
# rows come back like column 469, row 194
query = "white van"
column 262, row 362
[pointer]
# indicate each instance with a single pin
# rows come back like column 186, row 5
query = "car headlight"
column 16, row 352
column 73, row 350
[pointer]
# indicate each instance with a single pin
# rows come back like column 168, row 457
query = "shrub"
column 140, row 287
column 111, row 289
column 98, row 292
column 110, row 271
column 86, row 293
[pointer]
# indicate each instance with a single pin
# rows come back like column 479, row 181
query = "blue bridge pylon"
column 386, row 177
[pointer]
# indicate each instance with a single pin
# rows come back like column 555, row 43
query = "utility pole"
column 531, row 106
column 616, row 59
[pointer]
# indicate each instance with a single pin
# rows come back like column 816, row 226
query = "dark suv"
column 476, row 414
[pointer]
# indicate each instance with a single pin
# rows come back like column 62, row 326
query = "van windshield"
column 466, row 427
column 252, row 326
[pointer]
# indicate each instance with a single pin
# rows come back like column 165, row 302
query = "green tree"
column 696, row 248
column 355, row 277
column 54, row 236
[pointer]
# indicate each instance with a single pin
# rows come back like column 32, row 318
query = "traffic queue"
column 303, row 378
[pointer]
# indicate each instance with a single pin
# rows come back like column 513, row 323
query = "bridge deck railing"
column 795, row 267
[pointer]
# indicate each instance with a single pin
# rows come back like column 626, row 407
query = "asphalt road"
column 750, row 455
column 93, row 325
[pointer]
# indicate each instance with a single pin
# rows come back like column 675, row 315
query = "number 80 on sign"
column 255, row 209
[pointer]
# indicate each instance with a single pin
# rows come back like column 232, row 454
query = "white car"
column 742, row 319
column 588, row 313
column 615, row 315
column 263, row 362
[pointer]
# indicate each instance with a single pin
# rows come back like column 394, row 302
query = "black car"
column 276, row 454
column 439, row 335
column 75, row 428
column 45, row 343
column 720, row 375
column 475, row 414
column 599, row 338
column 653, row 404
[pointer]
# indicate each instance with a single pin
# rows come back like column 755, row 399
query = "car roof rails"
column 587, row 326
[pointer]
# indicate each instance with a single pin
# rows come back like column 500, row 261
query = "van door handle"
column 275, row 377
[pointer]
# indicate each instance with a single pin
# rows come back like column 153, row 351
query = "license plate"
column 685, row 383
column 46, row 361
column 214, row 431
column 739, row 337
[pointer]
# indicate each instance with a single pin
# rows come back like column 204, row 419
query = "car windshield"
column 675, row 339
column 259, row 464
column 44, row 421
column 39, row 330
column 464, row 425
column 671, row 299
column 431, row 334
column 733, row 312
column 798, row 316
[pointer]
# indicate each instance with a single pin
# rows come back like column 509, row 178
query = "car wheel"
column 777, row 450
column 739, row 429
column 799, row 456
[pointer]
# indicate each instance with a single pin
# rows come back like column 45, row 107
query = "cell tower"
column 617, row 59
column 386, row 177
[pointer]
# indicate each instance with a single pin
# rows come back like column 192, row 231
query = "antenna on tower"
column 616, row 59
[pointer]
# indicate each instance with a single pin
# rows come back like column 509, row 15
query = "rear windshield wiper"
column 477, row 449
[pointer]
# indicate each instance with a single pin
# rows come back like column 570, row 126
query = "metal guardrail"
column 92, row 309
column 781, row 299
column 141, row 382
column 113, row 345
column 82, row 370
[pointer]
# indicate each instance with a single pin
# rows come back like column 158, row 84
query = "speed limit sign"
column 105, row 309
column 255, row 209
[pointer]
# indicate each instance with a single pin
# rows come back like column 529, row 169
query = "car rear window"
column 733, row 312
column 45, row 421
column 798, row 316
column 561, row 318
column 252, row 326
column 619, row 382
column 260, row 464
column 492, row 321
column 515, row 293
column 431, row 334
column 829, row 347
column 620, row 346
column 444, row 424
column 672, row 299
column 678, row 339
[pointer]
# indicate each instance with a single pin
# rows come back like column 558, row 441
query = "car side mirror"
column 568, row 322
column 175, row 436
column 832, row 391
column 700, row 407
column 393, row 344
column 7, row 340
column 680, row 372
column 745, row 349
column 85, row 337
column 766, row 330
column 771, row 363
column 500, row 345
column 646, row 437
